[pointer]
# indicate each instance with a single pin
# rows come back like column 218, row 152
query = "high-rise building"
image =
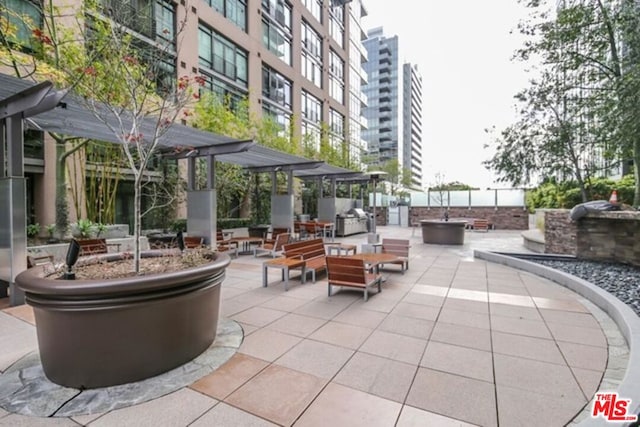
column 299, row 62
column 394, row 111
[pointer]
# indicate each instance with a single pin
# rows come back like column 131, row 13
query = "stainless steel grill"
column 354, row 222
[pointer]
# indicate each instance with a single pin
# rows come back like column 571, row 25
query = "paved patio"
column 455, row 341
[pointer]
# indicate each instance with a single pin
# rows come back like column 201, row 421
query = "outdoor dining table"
column 375, row 259
column 246, row 243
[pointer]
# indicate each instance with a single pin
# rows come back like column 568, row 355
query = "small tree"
column 131, row 91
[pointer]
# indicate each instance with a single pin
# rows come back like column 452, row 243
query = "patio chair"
column 400, row 248
column 225, row 245
column 192, row 242
column 351, row 272
column 274, row 249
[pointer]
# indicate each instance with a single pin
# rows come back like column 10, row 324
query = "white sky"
column 463, row 50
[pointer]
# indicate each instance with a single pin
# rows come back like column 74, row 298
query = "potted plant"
column 108, row 329
column 51, row 230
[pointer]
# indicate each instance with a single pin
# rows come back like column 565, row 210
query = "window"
column 311, row 41
column 165, row 21
column 226, row 93
column 336, row 77
column 312, row 69
column 336, row 126
column 276, row 87
column 280, row 117
column 336, row 24
column 234, row 10
column 23, row 16
column 311, row 107
column 279, row 11
column 222, row 56
column 276, row 41
column 315, row 7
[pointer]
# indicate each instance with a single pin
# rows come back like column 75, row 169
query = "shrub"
column 179, row 224
column 33, row 230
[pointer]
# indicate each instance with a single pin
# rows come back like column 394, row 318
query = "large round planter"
column 102, row 333
column 443, row 232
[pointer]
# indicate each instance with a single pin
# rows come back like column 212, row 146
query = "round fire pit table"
column 443, row 232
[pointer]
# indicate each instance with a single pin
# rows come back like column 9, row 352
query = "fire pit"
column 441, row 232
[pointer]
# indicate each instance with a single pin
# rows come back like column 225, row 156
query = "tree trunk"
column 137, row 221
column 636, row 172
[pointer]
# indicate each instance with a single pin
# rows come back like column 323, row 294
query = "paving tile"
column 341, row 334
column 430, row 290
column 414, row 417
column 418, row 311
column 179, row 408
column 423, row 299
column 316, row 358
column 535, row 376
column 360, row 317
column 465, row 305
column 530, row 328
column 376, row 303
column 557, row 304
column 258, row 316
column 227, row 378
column 394, row 346
column 517, row 407
column 584, row 356
column 526, row 347
column 345, row 407
column 277, row 394
column 284, row 303
column 465, row 399
column 247, row 329
column 17, row 337
column 464, row 318
column 418, row 328
column 577, row 334
column 510, row 290
column 515, row 311
column 463, row 361
column 22, row 312
column 468, row 294
column 298, row 325
column 377, row 375
column 464, row 336
column 517, row 300
column 588, row 380
column 267, row 345
column 228, row 416
column 319, row 309
column 585, row 320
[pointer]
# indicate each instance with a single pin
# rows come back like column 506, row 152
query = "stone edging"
column 623, row 316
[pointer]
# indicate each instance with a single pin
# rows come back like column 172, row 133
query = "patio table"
column 284, row 264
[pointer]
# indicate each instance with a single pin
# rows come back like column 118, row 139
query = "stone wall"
column 559, row 232
column 502, row 218
column 599, row 236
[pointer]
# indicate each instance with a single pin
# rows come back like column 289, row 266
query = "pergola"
column 39, row 106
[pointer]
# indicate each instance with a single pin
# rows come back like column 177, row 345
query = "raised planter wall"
column 502, row 218
column 599, row 236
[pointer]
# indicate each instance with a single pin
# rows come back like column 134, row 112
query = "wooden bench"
column 95, row 246
column 400, row 248
column 480, row 225
column 351, row 272
column 311, row 251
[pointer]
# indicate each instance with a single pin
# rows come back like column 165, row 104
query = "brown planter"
column 443, row 232
column 101, row 333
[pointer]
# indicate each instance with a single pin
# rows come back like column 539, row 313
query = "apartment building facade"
column 394, row 111
column 297, row 61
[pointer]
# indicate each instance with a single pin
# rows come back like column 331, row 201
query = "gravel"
column 620, row 280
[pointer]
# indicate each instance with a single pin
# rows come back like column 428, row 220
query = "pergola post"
column 13, row 189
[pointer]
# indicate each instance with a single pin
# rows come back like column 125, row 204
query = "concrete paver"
column 454, row 341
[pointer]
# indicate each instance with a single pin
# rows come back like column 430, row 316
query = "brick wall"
column 600, row 236
column 559, row 232
column 502, row 218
